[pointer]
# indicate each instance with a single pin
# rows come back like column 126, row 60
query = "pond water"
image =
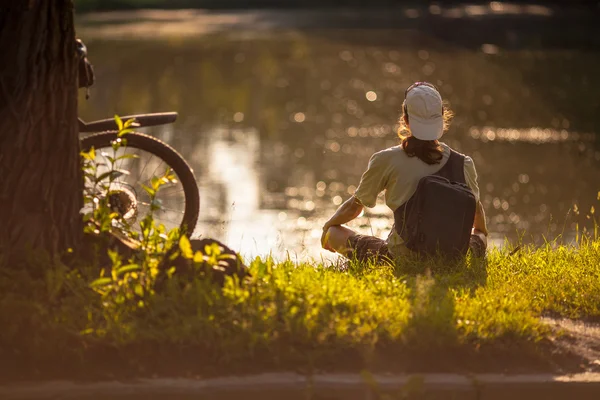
column 279, row 116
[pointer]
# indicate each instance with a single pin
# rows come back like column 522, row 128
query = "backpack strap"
column 454, row 169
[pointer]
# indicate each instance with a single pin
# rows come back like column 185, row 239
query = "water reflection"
column 279, row 127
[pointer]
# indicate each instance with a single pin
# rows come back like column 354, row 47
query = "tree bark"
column 41, row 181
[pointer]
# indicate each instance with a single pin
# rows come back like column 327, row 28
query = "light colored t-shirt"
column 393, row 171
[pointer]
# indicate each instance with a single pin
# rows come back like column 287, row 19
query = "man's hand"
column 325, row 239
column 481, row 235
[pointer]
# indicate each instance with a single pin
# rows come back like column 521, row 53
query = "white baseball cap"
column 424, row 109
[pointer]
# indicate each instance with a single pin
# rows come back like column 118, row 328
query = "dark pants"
column 365, row 247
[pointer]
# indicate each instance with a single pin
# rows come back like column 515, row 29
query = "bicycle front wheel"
column 177, row 204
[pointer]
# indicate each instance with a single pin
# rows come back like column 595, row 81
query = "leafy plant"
column 124, row 286
column 103, row 203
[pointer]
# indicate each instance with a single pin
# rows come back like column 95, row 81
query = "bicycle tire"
column 169, row 155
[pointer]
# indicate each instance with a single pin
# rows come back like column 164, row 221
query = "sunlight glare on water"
column 280, row 125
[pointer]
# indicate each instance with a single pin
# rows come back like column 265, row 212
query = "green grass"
column 286, row 315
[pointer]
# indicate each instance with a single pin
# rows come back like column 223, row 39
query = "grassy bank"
column 476, row 315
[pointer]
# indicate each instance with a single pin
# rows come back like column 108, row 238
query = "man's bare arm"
column 349, row 210
column 479, row 222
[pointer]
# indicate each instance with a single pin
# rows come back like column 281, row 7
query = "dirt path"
column 579, row 338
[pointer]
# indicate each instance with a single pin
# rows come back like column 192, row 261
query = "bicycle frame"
column 142, row 120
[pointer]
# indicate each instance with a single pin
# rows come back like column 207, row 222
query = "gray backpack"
column 438, row 218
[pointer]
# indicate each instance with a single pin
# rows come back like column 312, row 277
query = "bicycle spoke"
column 155, row 169
column 171, row 192
column 162, row 219
column 162, row 208
column 142, row 173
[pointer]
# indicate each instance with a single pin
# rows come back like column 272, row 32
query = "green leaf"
column 151, row 192
column 119, row 122
column 127, row 156
column 173, row 234
column 198, row 257
column 89, row 155
column 130, row 122
column 125, row 131
column 155, row 182
column 128, row 268
column 139, row 290
column 112, row 174
column 114, row 257
column 186, row 247
column 212, row 249
column 100, row 282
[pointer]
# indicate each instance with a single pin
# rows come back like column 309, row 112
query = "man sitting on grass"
column 432, row 190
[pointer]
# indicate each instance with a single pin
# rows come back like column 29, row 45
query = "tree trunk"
column 41, row 182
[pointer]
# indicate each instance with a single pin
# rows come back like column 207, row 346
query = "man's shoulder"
column 389, row 152
column 469, row 163
column 390, row 156
column 447, row 150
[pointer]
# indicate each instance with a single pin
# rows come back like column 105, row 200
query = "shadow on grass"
column 432, row 342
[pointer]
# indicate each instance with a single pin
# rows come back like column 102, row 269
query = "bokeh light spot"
column 371, row 95
column 490, row 49
column 299, row 117
column 238, row 117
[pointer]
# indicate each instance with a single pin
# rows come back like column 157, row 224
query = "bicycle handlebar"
column 142, row 120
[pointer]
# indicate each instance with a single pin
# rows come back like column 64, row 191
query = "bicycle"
column 126, row 195
column 172, row 208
